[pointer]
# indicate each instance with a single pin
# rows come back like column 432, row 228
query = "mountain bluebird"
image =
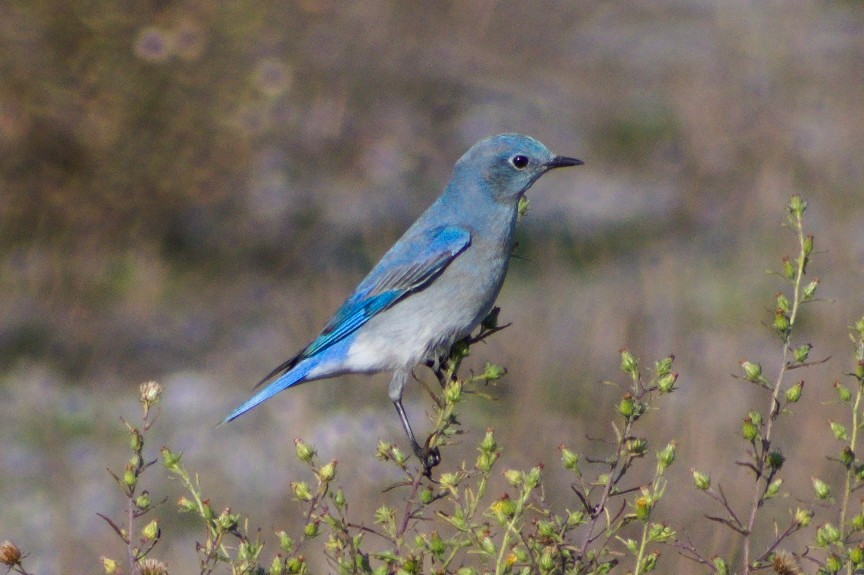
column 434, row 286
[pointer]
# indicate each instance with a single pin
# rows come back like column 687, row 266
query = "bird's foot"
column 430, row 457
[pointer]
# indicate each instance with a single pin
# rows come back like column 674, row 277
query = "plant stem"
column 774, row 407
column 511, row 528
column 850, row 471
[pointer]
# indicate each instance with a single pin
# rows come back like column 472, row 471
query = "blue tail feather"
column 286, row 380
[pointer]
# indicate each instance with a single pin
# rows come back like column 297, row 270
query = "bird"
column 434, row 286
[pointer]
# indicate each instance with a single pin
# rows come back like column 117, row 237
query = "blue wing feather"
column 408, row 266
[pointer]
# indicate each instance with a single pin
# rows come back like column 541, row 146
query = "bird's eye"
column 519, row 162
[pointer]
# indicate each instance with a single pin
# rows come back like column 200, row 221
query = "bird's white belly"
column 425, row 325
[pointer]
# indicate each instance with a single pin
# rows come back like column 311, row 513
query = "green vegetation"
column 612, row 521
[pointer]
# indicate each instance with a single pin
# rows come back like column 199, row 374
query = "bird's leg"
column 430, row 457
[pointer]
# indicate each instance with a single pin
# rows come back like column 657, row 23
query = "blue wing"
column 409, row 266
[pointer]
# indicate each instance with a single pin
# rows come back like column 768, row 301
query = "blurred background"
column 188, row 190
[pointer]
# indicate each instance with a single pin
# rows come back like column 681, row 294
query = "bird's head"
column 506, row 165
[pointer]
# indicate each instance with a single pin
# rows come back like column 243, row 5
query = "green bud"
column 311, row 529
column 487, row 545
column 227, row 520
column 631, row 545
column 436, row 544
column 793, row 394
column 397, row 455
column 109, row 565
column 135, row 462
column 327, row 472
column 856, row 555
column 286, row 544
column 749, row 430
column 136, row 441
column 788, row 269
column 809, row 290
column 642, row 507
column 521, row 554
column 650, row 561
column 796, row 206
column 546, row 529
column 838, row 431
column 503, row 509
column 142, row 502
column 843, row 392
column 858, row 522
column 627, row 406
column 801, row 352
column 185, row 505
column 783, row 303
column 305, row 453
column 493, row 372
column 150, row 531
column 426, row 496
column 666, row 383
column 207, row 510
column 522, row 206
column 821, row 488
column 663, row 366
column 629, row 363
column 170, row 460
column 546, row 561
column 488, row 444
column 774, row 488
column 720, row 566
column 859, row 370
column 859, row 327
column 702, row 481
column 803, row 517
column 382, row 451
column 453, row 391
column 808, row 244
column 448, row 481
column 827, row 535
column 833, row 563
column 781, row 322
column 485, row 460
column 636, row 446
column 129, row 478
column 301, row 490
column 569, row 459
column 752, row 371
column 532, row 478
column 295, row 564
column 575, row 518
column 775, row 459
column 277, row 566
column 339, row 499
column 411, row 565
column 660, row 533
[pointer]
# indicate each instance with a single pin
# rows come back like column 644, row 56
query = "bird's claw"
column 430, row 457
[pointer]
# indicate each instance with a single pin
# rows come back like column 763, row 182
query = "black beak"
column 562, row 162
